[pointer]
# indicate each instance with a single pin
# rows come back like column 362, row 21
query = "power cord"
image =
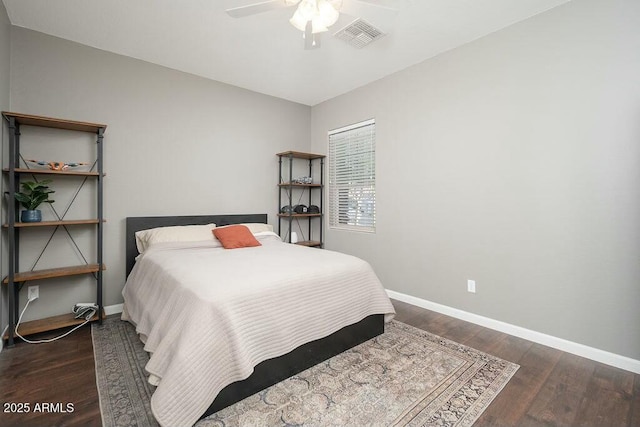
column 87, row 320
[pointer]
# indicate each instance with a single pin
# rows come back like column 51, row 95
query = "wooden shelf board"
column 50, row 122
column 55, row 272
column 298, row 215
column 52, row 172
column 284, row 184
column 50, row 324
column 55, row 223
column 310, row 243
column 300, row 155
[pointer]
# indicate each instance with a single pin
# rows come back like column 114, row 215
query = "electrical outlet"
column 471, row 286
column 33, row 292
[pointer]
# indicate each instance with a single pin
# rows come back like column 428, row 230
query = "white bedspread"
column 208, row 315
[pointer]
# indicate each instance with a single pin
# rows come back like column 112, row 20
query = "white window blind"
column 352, row 177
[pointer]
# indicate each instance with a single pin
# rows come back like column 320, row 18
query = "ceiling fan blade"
column 254, row 9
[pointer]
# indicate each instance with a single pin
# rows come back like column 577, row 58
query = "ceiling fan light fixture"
column 308, row 9
column 327, row 13
column 298, row 20
column 318, row 26
column 321, row 13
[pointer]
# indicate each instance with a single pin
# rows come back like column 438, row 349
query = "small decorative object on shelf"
column 300, row 209
column 286, row 209
column 303, row 180
column 33, row 194
column 57, row 166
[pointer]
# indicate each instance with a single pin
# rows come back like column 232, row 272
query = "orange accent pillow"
column 235, row 236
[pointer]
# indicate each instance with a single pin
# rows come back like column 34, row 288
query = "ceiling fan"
column 313, row 17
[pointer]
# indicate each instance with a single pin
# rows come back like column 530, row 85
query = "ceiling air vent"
column 359, row 33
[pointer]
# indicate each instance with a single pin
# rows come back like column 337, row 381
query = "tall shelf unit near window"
column 16, row 172
column 293, row 191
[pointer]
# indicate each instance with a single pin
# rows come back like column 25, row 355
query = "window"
column 352, row 177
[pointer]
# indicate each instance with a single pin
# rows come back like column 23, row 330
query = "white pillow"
column 179, row 233
column 255, row 227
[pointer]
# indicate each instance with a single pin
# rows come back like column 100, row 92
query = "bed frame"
column 273, row 370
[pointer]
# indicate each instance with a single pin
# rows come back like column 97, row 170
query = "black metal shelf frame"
column 288, row 186
column 13, row 234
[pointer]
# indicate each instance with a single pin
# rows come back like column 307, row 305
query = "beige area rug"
column 405, row 377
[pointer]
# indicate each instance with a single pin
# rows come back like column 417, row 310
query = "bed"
column 217, row 337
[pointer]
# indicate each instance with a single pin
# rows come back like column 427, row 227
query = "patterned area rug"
column 405, row 377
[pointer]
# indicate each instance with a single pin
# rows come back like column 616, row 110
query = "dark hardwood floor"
column 62, row 371
column 551, row 388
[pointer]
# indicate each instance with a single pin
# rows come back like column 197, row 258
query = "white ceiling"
column 264, row 53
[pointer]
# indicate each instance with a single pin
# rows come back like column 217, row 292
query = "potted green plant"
column 33, row 194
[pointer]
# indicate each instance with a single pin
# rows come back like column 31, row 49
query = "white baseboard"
column 113, row 309
column 598, row 355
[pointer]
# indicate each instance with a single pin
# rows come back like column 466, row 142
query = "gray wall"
column 5, row 57
column 515, row 161
column 512, row 160
column 175, row 144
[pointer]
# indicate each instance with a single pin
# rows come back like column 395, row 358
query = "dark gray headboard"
column 145, row 222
